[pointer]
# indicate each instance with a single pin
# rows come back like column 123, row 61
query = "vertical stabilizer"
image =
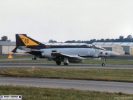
column 24, row 40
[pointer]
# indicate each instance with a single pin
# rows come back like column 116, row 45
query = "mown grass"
column 65, row 73
column 30, row 93
column 19, row 56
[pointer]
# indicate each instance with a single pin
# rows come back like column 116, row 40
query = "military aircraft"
column 61, row 52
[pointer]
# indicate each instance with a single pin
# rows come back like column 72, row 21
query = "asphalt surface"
column 102, row 86
column 45, row 65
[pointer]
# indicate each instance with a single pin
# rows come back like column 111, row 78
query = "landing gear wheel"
column 103, row 64
column 34, row 58
column 103, row 61
column 58, row 62
column 66, row 64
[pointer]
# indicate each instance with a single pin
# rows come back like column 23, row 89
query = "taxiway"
column 102, row 86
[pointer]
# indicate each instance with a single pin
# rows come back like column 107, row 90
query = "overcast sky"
column 63, row 20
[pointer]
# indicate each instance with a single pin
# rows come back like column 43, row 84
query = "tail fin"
column 24, row 40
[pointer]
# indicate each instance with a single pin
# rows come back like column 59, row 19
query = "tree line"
column 4, row 38
column 129, row 38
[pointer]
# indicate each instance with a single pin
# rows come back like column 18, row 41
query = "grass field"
column 65, row 73
column 30, row 93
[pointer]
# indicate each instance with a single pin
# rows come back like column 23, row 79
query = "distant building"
column 124, row 48
column 6, row 47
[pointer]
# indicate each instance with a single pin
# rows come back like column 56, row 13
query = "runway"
column 102, row 86
column 45, row 65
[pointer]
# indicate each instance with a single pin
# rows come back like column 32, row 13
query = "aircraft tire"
column 66, row 64
column 103, row 64
column 58, row 62
column 34, row 58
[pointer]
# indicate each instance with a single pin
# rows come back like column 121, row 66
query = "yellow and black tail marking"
column 27, row 41
column 24, row 40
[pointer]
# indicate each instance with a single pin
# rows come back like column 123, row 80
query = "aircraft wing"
column 56, row 54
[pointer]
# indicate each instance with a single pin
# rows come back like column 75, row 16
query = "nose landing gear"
column 103, row 64
column 103, row 61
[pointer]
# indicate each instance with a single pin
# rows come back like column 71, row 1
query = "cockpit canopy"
column 73, row 45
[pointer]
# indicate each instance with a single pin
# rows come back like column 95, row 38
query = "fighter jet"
column 63, row 52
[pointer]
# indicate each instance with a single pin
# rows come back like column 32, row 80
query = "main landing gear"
column 58, row 62
column 66, row 62
column 34, row 58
